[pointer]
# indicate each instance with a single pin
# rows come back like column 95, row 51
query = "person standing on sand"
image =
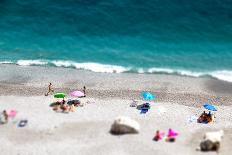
column 84, row 91
column 49, row 89
column 5, row 116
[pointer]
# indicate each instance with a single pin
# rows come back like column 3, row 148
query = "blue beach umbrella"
column 148, row 96
column 210, row 107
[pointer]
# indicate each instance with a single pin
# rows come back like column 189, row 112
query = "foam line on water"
column 224, row 75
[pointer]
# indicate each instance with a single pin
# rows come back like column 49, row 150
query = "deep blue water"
column 186, row 35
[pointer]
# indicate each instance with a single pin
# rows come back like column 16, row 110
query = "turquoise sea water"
column 191, row 37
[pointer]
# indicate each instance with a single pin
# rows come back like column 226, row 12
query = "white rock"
column 124, row 125
column 215, row 136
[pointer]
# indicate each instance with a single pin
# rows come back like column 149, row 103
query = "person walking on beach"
column 49, row 89
column 5, row 116
column 84, row 91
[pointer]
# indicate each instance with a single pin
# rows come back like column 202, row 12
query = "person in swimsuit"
column 50, row 90
column 5, row 116
column 84, row 91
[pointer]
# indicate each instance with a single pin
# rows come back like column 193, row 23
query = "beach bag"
column 22, row 123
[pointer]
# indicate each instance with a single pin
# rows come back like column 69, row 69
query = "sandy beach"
column 86, row 131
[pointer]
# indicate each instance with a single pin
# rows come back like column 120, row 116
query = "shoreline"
column 223, row 74
column 33, row 80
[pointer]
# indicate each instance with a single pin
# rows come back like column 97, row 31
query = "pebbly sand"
column 86, row 131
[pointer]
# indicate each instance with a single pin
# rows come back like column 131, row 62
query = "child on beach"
column 49, row 89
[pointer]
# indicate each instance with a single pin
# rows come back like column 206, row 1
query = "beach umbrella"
column 12, row 113
column 148, row 96
column 210, row 107
column 59, row 95
column 77, row 94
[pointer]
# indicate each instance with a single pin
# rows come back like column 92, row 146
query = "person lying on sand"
column 64, row 108
column 56, row 108
column 72, row 108
column 171, row 137
column 158, row 136
column 50, row 90
column 63, row 102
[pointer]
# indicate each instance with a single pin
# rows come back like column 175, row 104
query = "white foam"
column 6, row 62
column 141, row 71
column 31, row 62
column 177, row 71
column 60, row 63
column 95, row 67
column 224, row 75
column 160, row 70
column 190, row 73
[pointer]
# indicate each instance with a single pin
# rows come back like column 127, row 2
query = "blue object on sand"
column 148, row 96
column 210, row 107
column 144, row 111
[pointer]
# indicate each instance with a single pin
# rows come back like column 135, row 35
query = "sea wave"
column 177, row 71
column 224, row 75
column 95, row 67
column 6, row 62
column 31, row 62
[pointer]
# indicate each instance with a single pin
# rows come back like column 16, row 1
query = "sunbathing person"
column 171, row 137
column 64, row 108
column 202, row 117
column 63, row 102
column 209, row 117
column 56, row 107
column 72, row 108
column 158, row 136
